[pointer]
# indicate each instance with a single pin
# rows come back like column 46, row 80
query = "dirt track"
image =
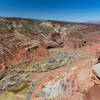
column 83, row 52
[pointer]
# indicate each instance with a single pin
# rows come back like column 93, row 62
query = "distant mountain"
column 94, row 22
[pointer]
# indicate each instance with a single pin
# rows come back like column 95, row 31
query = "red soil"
column 80, row 82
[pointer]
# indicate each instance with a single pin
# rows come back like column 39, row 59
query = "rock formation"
column 49, row 60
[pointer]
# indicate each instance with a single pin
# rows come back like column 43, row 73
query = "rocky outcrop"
column 96, row 70
column 93, row 93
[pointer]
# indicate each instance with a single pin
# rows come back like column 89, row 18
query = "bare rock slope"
column 31, row 49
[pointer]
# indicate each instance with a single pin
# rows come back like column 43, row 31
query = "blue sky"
column 66, row 10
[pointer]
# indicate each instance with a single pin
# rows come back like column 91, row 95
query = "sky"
column 62, row 10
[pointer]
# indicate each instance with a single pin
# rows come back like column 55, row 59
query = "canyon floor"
column 49, row 60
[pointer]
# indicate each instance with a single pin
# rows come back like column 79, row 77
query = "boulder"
column 96, row 70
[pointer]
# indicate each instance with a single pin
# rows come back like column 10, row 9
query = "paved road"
column 69, row 62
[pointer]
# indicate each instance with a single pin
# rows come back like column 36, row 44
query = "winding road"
column 46, row 75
